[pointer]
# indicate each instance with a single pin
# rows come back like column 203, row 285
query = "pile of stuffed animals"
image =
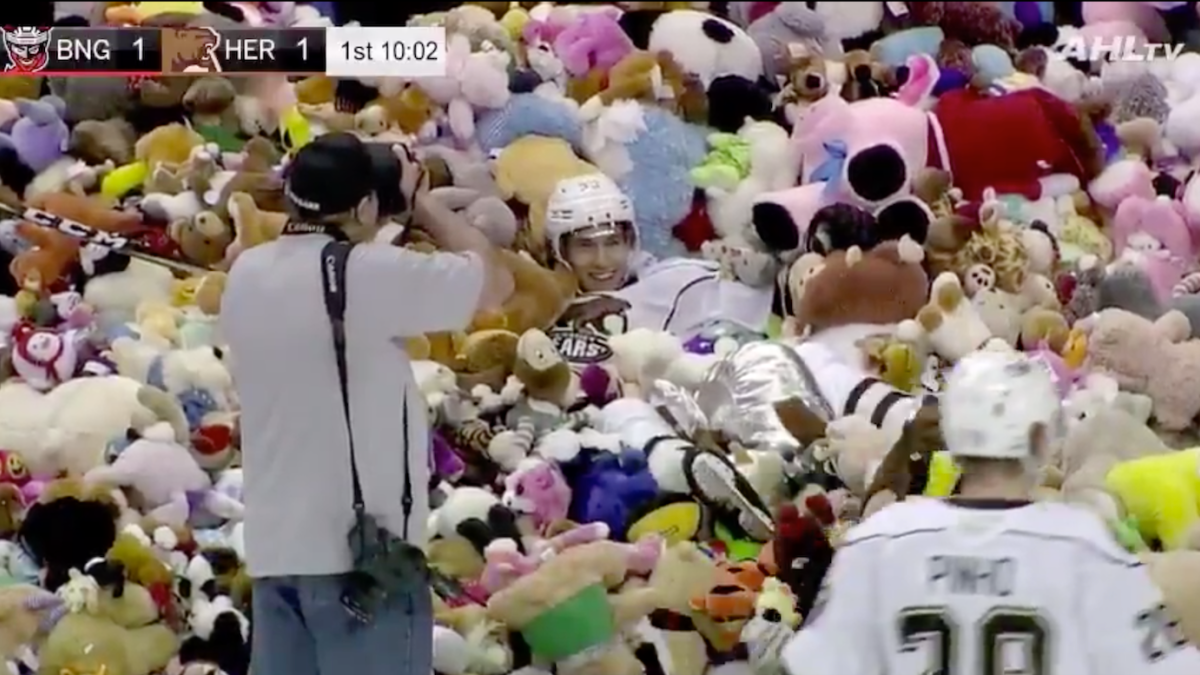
column 915, row 181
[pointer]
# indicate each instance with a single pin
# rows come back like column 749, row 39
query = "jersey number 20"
column 936, row 627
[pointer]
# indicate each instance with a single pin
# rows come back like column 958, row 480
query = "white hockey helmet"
column 583, row 202
column 990, row 402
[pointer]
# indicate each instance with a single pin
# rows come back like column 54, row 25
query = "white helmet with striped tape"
column 992, row 400
column 583, row 202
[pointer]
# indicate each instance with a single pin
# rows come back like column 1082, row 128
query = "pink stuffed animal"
column 538, row 491
column 594, row 40
column 473, row 80
column 505, row 563
column 1153, row 235
column 869, row 152
column 537, row 32
column 1137, row 19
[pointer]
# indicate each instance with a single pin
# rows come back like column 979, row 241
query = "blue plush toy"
column 608, row 487
column 658, row 179
column 526, row 115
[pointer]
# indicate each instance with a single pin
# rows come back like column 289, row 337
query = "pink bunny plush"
column 1153, row 235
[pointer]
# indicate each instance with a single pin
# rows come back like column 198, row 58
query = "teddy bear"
column 653, row 78
column 203, row 238
column 889, row 286
column 251, row 225
column 527, row 171
column 466, row 640
column 1105, row 429
column 537, row 490
column 1156, row 358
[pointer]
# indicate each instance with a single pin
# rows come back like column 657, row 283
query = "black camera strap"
column 333, row 273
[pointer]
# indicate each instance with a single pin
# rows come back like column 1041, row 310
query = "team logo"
column 582, row 334
column 581, row 346
column 28, row 48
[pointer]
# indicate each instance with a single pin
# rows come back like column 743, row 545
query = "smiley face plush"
column 12, row 469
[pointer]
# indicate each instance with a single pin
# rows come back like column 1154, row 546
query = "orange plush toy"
column 41, row 268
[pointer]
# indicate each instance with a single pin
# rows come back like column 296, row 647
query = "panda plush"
column 703, row 44
column 475, row 514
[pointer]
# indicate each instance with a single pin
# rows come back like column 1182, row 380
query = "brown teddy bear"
column 885, row 285
column 203, row 238
column 653, row 78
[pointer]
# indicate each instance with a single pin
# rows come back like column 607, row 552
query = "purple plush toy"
column 443, row 460
column 40, row 137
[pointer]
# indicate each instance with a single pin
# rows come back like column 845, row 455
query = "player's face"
column 599, row 258
column 27, row 56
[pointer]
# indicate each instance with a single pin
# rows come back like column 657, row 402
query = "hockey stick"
column 115, row 243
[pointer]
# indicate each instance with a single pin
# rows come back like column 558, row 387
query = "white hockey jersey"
column 930, row 586
column 681, row 296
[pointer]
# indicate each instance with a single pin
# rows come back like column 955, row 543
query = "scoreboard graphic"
column 154, row 52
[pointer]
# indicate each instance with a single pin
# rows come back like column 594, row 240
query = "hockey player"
column 592, row 229
column 989, row 582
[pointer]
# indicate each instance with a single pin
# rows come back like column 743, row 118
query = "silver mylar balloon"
column 738, row 397
column 680, row 404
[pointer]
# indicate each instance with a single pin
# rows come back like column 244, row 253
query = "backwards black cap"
column 330, row 175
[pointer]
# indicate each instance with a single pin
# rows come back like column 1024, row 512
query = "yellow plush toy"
column 1162, row 492
column 103, row 634
column 160, row 320
column 943, row 475
column 169, row 146
column 527, row 170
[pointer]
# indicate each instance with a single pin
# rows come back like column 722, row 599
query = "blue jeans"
column 301, row 628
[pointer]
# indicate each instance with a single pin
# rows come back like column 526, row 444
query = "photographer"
column 336, row 467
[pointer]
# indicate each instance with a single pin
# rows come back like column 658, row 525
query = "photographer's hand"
column 451, row 232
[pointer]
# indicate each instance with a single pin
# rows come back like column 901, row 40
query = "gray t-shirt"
column 294, row 441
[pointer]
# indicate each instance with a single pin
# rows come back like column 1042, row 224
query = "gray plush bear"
column 1128, row 288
